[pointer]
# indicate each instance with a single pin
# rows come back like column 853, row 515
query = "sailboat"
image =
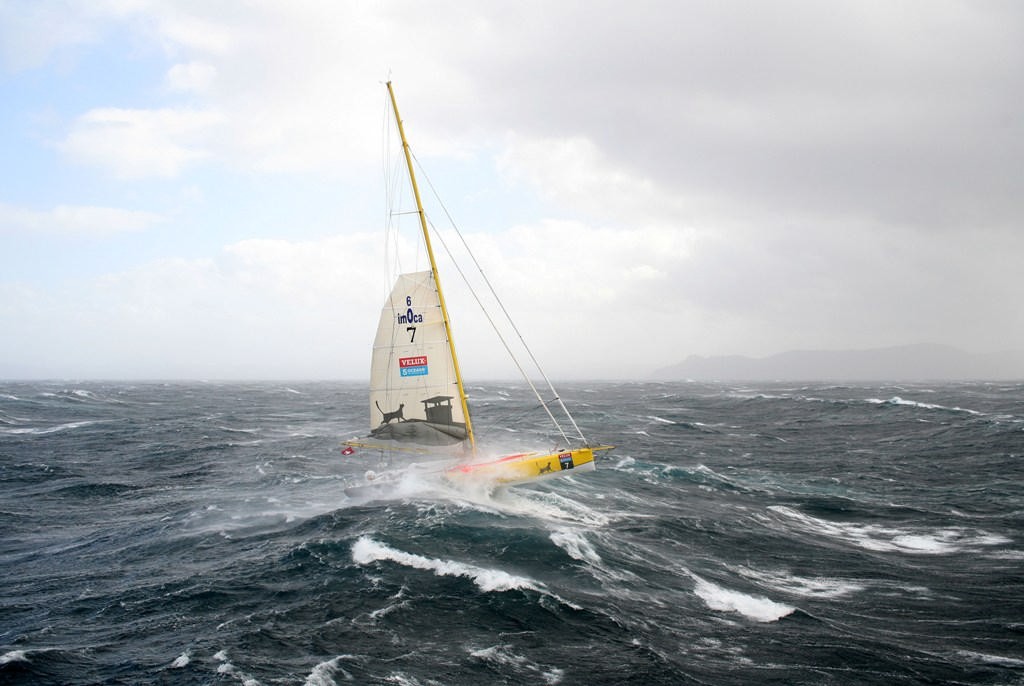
column 418, row 401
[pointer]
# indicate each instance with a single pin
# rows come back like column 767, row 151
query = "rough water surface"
column 200, row 533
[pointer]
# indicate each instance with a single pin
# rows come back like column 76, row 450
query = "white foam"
column 989, row 659
column 660, row 419
column 39, row 431
column 933, row 544
column 502, row 655
column 546, row 505
column 366, row 550
column 238, row 431
column 323, row 673
column 181, row 661
column 896, row 400
column 817, row 587
column 576, row 544
column 427, row 483
column 388, row 609
column 13, row 656
column 891, row 539
column 226, row 667
column 579, row 547
column 757, row 608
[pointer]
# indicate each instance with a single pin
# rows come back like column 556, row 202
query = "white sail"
column 414, row 394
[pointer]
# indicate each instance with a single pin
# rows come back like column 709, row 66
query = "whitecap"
column 924, row 543
column 400, row 679
column 986, row 658
column 892, row 539
column 502, row 655
column 813, row 587
column 13, row 656
column 897, row 400
column 238, row 431
column 181, row 661
column 757, row 608
column 366, row 550
column 576, row 545
column 546, row 505
column 40, row 431
column 323, row 673
column 226, row 667
column 388, row 609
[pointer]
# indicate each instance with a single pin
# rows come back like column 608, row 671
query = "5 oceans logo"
column 412, row 366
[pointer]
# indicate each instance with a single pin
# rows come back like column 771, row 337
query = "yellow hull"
column 525, row 467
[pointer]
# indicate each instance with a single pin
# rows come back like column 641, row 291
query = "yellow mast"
column 433, row 269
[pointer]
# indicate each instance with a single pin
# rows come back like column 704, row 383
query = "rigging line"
column 508, row 317
column 526, row 412
column 393, row 194
column 501, row 338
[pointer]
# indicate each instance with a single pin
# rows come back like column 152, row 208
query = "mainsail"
column 414, row 391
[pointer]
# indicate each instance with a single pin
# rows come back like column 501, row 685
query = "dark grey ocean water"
column 757, row 534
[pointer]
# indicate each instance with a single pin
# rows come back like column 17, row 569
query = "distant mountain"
column 923, row 362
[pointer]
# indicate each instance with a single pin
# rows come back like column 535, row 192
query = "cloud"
column 196, row 77
column 309, row 309
column 576, row 174
column 30, row 32
column 905, row 115
column 76, row 220
column 590, row 301
column 299, row 84
column 258, row 308
column 707, row 177
column 133, row 143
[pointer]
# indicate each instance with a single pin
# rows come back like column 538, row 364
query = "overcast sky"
column 194, row 189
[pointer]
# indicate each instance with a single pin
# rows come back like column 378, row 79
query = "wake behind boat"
column 418, row 403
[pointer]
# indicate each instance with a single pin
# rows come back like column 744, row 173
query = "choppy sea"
column 199, row 533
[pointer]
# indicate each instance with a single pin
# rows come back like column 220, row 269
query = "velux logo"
column 412, row 366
